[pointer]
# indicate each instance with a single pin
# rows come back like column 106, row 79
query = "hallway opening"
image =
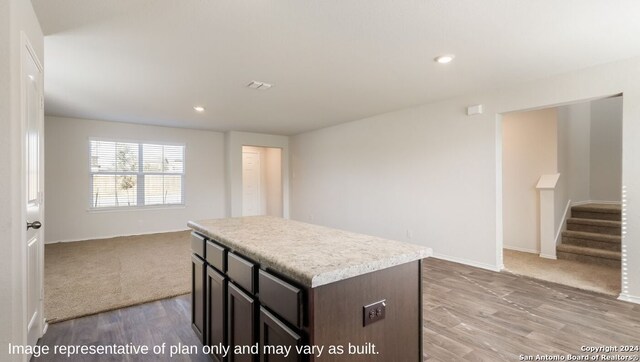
column 561, row 192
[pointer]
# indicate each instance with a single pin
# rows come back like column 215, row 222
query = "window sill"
column 136, row 208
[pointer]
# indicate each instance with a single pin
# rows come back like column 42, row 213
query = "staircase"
column 592, row 235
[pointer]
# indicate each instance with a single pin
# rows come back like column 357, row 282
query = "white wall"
column 574, row 132
column 67, row 188
column 574, row 149
column 16, row 16
column 425, row 175
column 433, row 171
column 529, row 150
column 590, row 149
column 234, row 141
column 606, row 149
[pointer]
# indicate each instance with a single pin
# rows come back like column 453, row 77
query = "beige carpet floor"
column 596, row 278
column 87, row 277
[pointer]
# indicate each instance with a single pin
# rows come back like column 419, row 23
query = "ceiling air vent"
column 258, row 85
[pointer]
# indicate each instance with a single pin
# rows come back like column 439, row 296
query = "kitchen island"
column 281, row 290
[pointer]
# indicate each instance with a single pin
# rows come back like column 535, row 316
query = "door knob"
column 36, row 225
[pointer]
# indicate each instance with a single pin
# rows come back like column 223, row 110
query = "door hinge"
column 41, row 102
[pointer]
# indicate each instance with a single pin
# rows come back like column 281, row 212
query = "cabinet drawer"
column 216, row 256
column 281, row 297
column 242, row 272
column 197, row 245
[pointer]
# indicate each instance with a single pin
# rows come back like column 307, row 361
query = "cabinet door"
column 198, row 296
column 274, row 332
column 216, row 310
column 241, row 311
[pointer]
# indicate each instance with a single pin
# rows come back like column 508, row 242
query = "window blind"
column 126, row 174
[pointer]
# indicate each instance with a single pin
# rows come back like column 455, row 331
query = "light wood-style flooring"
column 470, row 315
column 164, row 321
column 478, row 315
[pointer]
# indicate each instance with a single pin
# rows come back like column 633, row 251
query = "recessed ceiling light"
column 198, row 108
column 444, row 59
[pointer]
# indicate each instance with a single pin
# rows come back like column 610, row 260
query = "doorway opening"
column 561, row 194
column 262, row 181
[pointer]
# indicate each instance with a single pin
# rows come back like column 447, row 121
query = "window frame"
column 140, row 175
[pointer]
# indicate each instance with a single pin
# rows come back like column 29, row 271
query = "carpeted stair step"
column 597, row 211
column 608, row 227
column 591, row 240
column 588, row 255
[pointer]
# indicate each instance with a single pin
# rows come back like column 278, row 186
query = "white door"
column 32, row 113
column 251, row 193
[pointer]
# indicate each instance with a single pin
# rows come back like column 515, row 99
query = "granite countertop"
column 309, row 254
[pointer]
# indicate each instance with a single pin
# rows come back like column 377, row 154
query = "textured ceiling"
column 329, row 61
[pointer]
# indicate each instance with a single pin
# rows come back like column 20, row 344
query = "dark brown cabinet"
column 198, row 297
column 241, row 322
column 242, row 272
column 274, row 333
column 281, row 297
column 235, row 303
column 216, row 310
column 255, row 300
column 216, row 256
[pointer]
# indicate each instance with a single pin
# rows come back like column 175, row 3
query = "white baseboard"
column 524, row 250
column 468, row 262
column 629, row 298
column 530, row 251
column 578, row 203
column 113, row 236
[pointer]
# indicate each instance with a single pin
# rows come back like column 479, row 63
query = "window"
column 126, row 174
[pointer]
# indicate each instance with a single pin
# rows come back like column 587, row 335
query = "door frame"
column 26, row 49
